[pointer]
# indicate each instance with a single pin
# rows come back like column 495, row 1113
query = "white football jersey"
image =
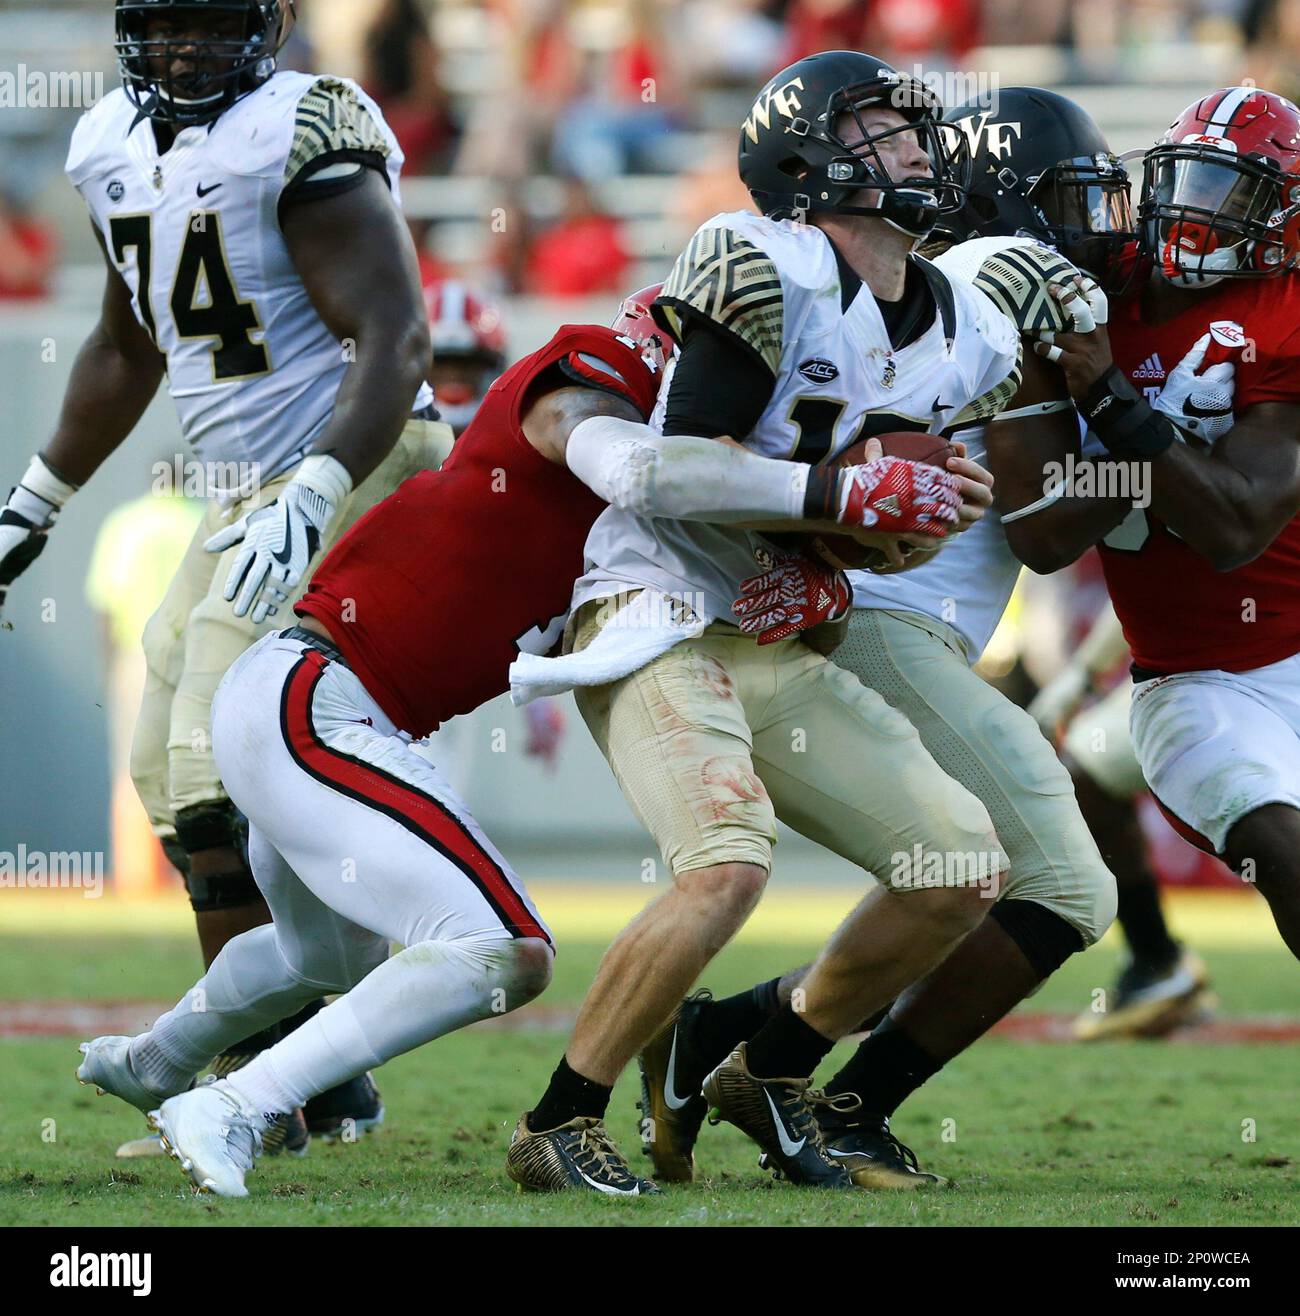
column 969, row 583
column 195, row 232
column 775, row 286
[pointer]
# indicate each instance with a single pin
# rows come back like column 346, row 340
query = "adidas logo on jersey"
column 1150, row 368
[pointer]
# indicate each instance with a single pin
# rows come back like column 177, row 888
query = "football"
column 845, row 552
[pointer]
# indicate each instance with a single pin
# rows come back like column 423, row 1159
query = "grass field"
column 1030, row 1132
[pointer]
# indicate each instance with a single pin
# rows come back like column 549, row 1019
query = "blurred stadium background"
column 559, row 152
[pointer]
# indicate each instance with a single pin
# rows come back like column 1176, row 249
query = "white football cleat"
column 108, row 1066
column 214, row 1134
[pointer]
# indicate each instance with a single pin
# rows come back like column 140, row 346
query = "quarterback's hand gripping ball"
column 893, row 495
column 280, row 540
column 795, row 595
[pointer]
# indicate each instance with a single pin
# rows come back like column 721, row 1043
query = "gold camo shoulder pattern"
column 330, row 118
column 1015, row 280
column 987, row 405
column 731, row 282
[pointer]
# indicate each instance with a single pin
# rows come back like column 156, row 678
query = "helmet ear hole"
column 793, row 167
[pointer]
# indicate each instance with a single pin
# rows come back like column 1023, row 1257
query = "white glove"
column 1200, row 405
column 26, row 519
column 281, row 538
column 1060, row 699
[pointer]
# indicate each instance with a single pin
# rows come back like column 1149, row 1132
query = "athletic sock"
column 786, row 1047
column 155, row 1069
column 885, row 1069
column 720, row 1025
column 423, row 992
column 1144, row 926
column 568, row 1097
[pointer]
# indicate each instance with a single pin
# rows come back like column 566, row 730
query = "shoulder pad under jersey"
column 743, row 273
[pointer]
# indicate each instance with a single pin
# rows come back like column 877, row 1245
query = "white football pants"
column 356, row 841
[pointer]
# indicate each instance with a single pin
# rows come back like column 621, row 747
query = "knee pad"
column 1045, row 939
column 212, row 826
column 176, row 854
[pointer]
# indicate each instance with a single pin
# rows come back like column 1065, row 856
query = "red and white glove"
column 795, row 595
column 895, row 496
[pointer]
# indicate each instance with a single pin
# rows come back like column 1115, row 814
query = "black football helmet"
column 794, row 161
column 1033, row 163
column 183, row 82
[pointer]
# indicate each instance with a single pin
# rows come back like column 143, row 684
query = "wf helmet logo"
column 997, row 137
column 781, row 99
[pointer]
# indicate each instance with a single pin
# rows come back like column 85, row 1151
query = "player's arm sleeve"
column 335, row 140
column 716, row 388
column 687, row 477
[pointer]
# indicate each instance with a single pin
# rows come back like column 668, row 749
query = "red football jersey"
column 1179, row 614
column 432, row 594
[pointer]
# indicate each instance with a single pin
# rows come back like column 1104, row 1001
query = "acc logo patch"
column 1209, row 139
column 1227, row 333
column 116, row 190
column 818, row 370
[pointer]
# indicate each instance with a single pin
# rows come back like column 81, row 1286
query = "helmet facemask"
column 1086, row 215
column 186, row 80
column 1208, row 214
column 911, row 204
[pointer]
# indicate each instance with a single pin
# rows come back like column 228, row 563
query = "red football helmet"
column 1221, row 189
column 469, row 348
column 635, row 321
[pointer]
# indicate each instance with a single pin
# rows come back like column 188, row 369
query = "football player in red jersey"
column 1206, row 579
column 355, row 839
column 469, row 352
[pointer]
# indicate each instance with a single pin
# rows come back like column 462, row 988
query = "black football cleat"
column 346, row 1111
column 865, row 1147
column 577, row 1155
column 672, row 1107
column 774, row 1112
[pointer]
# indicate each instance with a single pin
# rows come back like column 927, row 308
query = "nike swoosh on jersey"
column 206, row 191
column 783, row 1136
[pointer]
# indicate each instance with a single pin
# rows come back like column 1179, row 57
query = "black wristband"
column 821, row 495
column 1124, row 420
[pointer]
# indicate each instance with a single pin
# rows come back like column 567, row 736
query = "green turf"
column 1031, row 1133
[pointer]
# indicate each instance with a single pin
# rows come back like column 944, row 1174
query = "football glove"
column 895, row 496
column 281, row 539
column 1199, row 405
column 26, row 520
column 795, row 595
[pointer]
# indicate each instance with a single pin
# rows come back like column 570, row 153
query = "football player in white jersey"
column 258, row 260
column 802, row 331
column 915, row 638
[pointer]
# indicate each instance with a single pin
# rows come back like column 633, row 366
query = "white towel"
column 635, row 636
